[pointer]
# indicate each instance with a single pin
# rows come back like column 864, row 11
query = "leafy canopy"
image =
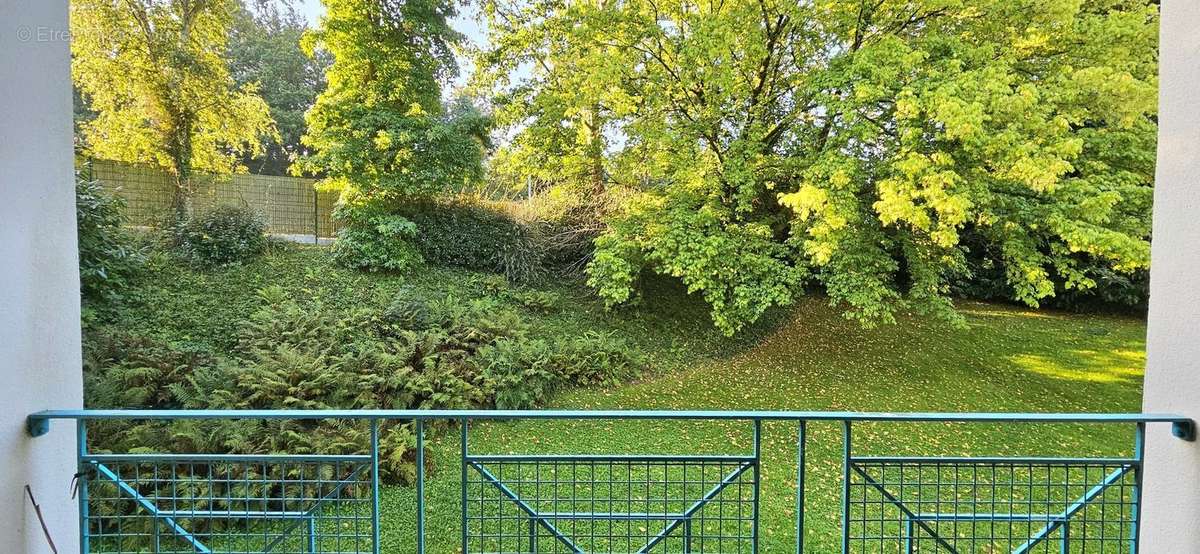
column 860, row 145
column 155, row 73
column 379, row 131
column 264, row 48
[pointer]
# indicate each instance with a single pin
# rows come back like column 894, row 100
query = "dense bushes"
column 107, row 254
column 221, row 236
column 1094, row 285
column 413, row 354
column 373, row 237
column 472, row 235
column 522, row 373
column 381, row 235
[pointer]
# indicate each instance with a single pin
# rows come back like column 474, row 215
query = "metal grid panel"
column 890, row 503
column 905, row 505
column 611, row 504
column 219, row 504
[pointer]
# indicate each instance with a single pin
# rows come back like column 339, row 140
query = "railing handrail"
column 1003, row 417
column 1184, row 427
column 868, row 475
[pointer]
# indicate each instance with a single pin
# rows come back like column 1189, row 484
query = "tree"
column 264, row 49
column 154, row 72
column 858, row 144
column 543, row 82
column 379, row 131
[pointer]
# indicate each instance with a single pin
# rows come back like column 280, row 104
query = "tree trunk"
column 181, row 202
column 595, row 151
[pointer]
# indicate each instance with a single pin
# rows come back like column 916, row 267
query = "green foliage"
column 107, row 254
column 473, row 235
column 156, row 77
column 538, row 301
column 847, row 145
column 123, row 370
column 523, row 373
column 221, row 236
column 264, row 49
column 563, row 120
column 568, row 220
column 292, row 356
column 1008, row 359
column 298, row 349
column 494, row 284
column 738, row 269
column 1127, row 292
column 374, row 237
column 379, row 130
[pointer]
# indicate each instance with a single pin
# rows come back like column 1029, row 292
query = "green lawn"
column 1008, row 359
column 805, row 358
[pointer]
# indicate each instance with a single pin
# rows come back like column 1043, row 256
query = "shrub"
column 523, row 373
column 415, row 354
column 494, row 284
column 222, row 235
column 123, row 370
column 107, row 254
column 570, row 220
column 538, row 301
column 375, row 239
column 520, row 374
column 597, row 359
column 1110, row 290
column 470, row 234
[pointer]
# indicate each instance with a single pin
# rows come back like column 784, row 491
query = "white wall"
column 39, row 285
column 1171, row 513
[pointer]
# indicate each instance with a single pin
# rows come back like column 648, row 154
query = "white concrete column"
column 39, row 275
column 1171, row 510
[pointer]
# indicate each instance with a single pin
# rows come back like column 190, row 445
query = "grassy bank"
column 804, row 358
column 1008, row 359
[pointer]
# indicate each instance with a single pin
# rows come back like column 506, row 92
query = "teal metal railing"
column 574, row 503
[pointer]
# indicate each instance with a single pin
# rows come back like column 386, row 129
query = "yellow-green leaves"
column 881, row 149
column 923, row 193
column 740, row 270
column 380, row 129
column 156, row 74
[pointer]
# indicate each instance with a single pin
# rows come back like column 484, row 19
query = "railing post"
column 463, row 446
column 801, row 436
column 420, row 424
column 82, row 476
column 375, row 485
column 846, row 486
column 757, row 482
column 1139, row 454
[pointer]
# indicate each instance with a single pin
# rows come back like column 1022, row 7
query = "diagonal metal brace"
column 149, row 506
column 695, row 507
column 320, row 503
column 525, row 507
column 903, row 508
column 1081, row 503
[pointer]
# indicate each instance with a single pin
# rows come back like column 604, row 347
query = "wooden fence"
column 290, row 204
